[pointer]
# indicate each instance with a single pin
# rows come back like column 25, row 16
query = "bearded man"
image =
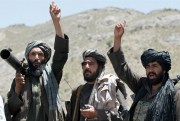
column 154, row 94
column 34, row 95
column 96, row 100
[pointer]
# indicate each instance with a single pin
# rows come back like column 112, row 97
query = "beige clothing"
column 105, row 94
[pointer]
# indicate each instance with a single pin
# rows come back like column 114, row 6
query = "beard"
column 36, row 70
column 159, row 78
column 89, row 76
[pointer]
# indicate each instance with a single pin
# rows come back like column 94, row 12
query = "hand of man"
column 55, row 12
column 20, row 81
column 89, row 113
column 119, row 31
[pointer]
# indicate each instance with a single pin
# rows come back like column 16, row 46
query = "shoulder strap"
column 77, row 102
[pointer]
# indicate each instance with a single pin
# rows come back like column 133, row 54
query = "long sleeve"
column 177, row 100
column 122, row 69
column 61, row 47
column 14, row 101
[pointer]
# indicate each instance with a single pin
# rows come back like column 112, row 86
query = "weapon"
column 14, row 62
column 176, row 80
column 178, row 77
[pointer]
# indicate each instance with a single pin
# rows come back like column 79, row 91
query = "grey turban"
column 40, row 44
column 95, row 54
column 162, row 57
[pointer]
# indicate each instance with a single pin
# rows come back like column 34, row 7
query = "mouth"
column 36, row 64
column 86, row 73
column 152, row 76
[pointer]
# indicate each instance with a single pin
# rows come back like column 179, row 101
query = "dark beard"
column 36, row 70
column 157, row 80
column 90, row 77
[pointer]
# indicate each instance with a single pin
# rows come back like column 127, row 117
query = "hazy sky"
column 32, row 12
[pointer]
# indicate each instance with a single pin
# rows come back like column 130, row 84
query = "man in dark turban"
column 34, row 96
column 161, row 58
column 154, row 94
column 97, row 97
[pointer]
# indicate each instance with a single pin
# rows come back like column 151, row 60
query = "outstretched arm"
column 61, row 44
column 118, row 61
column 118, row 33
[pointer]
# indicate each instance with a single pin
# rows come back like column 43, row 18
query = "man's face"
column 36, row 57
column 90, row 69
column 154, row 72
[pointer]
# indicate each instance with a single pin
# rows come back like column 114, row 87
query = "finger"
column 23, row 82
column 88, row 105
column 52, row 5
column 18, row 74
column 52, row 2
column 118, row 26
column 58, row 9
column 20, row 77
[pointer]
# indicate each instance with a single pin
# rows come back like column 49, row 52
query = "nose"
column 36, row 56
column 149, row 70
column 87, row 65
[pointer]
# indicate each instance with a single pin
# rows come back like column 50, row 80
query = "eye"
column 33, row 53
column 37, row 53
column 83, row 63
column 155, row 66
column 40, row 54
column 89, row 63
column 147, row 67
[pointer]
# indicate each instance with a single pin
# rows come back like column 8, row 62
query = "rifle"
column 19, row 66
column 175, row 81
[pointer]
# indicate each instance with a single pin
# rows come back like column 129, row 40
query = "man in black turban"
column 34, row 96
column 154, row 58
column 154, row 94
column 97, row 99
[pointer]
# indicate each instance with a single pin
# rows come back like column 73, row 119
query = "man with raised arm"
column 34, row 96
column 154, row 94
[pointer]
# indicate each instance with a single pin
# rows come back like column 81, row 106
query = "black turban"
column 95, row 54
column 163, row 58
column 42, row 45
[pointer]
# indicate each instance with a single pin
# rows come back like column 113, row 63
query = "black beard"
column 90, row 77
column 157, row 80
column 36, row 70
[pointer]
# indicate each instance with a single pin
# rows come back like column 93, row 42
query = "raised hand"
column 55, row 11
column 118, row 33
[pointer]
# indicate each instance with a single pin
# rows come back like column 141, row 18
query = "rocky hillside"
column 158, row 29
